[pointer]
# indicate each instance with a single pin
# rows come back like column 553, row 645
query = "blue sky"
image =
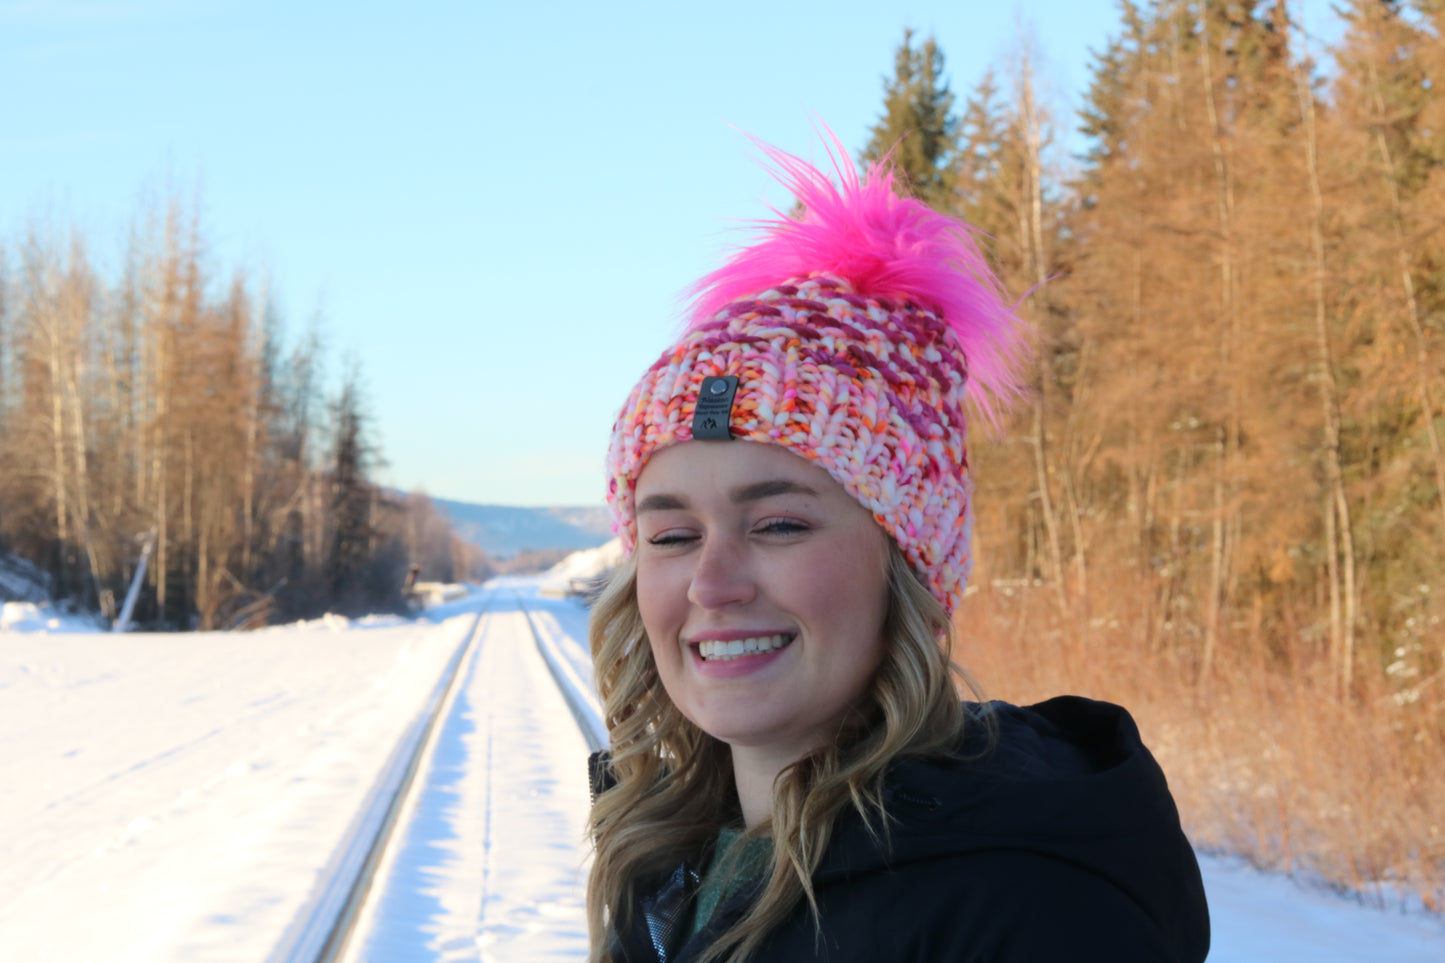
column 493, row 206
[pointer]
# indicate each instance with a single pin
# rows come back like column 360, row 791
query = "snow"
column 431, row 594
column 40, row 617
column 183, row 797
column 561, row 578
column 182, row 794
column 20, row 581
column 492, row 869
column 1264, row 918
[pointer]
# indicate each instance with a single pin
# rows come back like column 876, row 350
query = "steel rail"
column 591, row 723
column 323, row 934
column 327, row 930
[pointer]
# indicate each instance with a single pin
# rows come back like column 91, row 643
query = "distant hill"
column 505, row 530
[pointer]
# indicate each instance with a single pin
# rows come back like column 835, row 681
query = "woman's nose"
column 722, row 576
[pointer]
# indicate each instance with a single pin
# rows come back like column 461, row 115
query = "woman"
column 791, row 775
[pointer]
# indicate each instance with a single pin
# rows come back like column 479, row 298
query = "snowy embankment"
column 572, row 575
column 1263, row 918
column 181, row 797
column 177, row 797
column 30, row 617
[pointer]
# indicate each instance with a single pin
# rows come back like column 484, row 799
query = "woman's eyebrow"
column 767, row 489
column 660, row 503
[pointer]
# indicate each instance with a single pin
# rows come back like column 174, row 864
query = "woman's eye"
column 664, row 539
column 781, row 526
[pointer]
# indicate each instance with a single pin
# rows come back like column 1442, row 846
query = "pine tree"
column 979, row 172
column 351, row 496
column 918, row 125
column 1112, row 102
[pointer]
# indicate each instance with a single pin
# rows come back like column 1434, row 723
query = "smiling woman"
column 739, row 584
column 791, row 775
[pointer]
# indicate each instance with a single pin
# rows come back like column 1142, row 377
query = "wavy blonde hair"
column 674, row 783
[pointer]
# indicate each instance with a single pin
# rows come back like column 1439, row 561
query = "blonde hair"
column 674, row 783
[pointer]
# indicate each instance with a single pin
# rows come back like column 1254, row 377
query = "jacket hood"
column 1068, row 779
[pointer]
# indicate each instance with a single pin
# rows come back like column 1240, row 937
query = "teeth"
column 727, row 651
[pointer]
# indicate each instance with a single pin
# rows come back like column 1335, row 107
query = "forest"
column 157, row 409
column 1221, row 503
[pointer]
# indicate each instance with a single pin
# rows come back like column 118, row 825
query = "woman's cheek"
column 661, row 596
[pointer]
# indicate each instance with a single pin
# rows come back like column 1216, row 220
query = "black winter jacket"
column 1062, row 843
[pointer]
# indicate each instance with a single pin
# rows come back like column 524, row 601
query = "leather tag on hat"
column 714, row 411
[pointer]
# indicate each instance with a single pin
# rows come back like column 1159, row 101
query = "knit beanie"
column 850, row 335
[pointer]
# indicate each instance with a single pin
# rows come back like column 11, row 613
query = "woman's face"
column 763, row 588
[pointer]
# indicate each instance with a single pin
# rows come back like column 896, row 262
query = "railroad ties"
column 472, row 846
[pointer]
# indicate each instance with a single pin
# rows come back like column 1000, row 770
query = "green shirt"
column 735, row 863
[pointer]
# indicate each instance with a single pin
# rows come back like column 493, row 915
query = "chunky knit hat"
column 854, row 334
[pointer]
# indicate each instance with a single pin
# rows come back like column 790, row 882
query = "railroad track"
column 401, row 815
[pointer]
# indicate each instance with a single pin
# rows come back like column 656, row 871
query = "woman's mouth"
column 720, row 651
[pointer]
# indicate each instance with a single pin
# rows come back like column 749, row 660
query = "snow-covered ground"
column 182, row 797
column 572, row 572
column 177, row 797
column 42, row 617
column 1262, row 918
column 20, row 581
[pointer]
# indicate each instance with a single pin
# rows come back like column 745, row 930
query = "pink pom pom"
column 884, row 246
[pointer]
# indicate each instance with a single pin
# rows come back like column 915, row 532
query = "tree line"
column 1238, row 299
column 156, row 409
